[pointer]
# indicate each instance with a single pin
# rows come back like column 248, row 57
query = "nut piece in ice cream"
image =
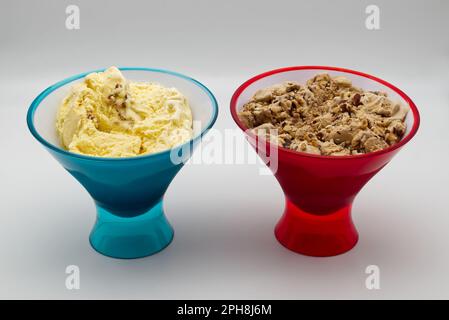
column 326, row 116
column 107, row 115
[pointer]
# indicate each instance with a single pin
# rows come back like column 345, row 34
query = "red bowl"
column 319, row 190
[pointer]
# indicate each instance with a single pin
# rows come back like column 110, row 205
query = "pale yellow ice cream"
column 107, row 115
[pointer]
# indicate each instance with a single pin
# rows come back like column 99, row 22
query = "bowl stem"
column 131, row 237
column 316, row 235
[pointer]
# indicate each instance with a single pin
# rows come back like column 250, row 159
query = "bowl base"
column 130, row 238
column 316, row 235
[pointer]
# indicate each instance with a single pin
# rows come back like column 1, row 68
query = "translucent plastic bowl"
column 128, row 192
column 320, row 190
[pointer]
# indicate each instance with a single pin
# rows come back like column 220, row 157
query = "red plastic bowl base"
column 316, row 235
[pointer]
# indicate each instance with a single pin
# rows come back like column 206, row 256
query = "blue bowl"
column 128, row 192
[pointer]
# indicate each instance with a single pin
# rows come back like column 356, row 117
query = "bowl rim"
column 402, row 142
column 37, row 101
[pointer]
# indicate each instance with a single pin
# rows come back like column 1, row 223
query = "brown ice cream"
column 327, row 116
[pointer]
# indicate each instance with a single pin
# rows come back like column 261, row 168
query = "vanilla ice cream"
column 107, row 115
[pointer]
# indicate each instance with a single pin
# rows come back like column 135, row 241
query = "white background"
column 224, row 215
